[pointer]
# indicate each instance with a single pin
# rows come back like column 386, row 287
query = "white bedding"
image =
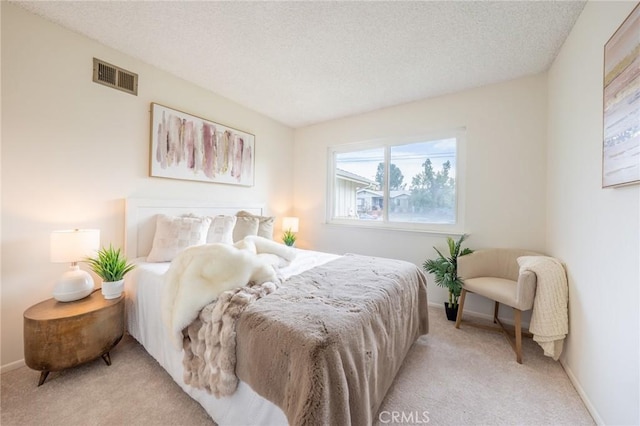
column 143, row 293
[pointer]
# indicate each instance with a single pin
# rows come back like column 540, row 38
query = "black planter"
column 452, row 313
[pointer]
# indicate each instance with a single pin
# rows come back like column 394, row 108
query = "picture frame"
column 621, row 105
column 187, row 147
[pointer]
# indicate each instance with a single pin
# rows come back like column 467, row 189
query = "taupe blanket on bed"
column 326, row 346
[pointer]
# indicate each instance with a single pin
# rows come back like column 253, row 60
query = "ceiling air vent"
column 116, row 77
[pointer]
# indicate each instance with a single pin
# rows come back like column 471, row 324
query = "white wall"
column 505, row 173
column 72, row 150
column 595, row 231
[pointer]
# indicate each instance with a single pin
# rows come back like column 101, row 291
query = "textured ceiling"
column 306, row 62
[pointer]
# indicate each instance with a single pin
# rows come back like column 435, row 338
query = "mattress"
column 143, row 287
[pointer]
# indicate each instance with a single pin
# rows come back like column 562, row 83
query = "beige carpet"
column 450, row 377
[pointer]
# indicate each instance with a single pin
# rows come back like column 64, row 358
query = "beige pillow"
column 265, row 224
column 244, row 227
column 221, row 229
column 174, row 234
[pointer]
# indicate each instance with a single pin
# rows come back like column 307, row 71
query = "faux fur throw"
column 210, row 346
column 549, row 319
column 199, row 274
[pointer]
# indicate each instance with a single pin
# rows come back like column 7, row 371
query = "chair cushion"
column 498, row 289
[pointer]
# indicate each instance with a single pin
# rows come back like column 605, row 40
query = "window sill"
column 444, row 230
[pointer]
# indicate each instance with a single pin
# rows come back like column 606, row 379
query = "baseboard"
column 583, row 395
column 12, row 366
column 572, row 378
column 478, row 315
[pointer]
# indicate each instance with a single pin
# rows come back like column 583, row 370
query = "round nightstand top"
column 52, row 309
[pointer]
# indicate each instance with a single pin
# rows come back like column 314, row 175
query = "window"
column 412, row 184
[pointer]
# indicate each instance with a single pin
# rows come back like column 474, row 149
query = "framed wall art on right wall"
column 621, row 124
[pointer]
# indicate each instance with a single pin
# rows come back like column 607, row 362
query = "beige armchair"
column 495, row 274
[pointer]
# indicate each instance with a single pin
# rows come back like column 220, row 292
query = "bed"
column 354, row 359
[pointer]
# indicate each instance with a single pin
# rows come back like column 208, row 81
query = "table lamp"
column 290, row 226
column 72, row 246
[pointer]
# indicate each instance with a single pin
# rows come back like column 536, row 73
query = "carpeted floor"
column 450, row 377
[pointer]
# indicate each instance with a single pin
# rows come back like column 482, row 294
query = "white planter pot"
column 112, row 289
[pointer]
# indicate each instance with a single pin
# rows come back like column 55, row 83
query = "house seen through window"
column 402, row 183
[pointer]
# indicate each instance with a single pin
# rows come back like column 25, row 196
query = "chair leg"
column 495, row 312
column 517, row 317
column 460, row 307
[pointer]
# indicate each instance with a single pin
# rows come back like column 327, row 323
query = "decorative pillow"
column 245, row 226
column 221, row 229
column 174, row 234
column 265, row 224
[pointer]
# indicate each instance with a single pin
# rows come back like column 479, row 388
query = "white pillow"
column 244, row 227
column 174, row 234
column 221, row 230
column 265, row 223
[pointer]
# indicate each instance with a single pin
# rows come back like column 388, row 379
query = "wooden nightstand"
column 59, row 335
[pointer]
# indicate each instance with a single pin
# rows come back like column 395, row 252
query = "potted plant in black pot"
column 445, row 272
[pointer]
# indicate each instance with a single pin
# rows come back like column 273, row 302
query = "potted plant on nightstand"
column 290, row 227
column 445, row 272
column 289, row 238
column 110, row 265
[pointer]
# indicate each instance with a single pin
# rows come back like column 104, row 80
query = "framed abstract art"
column 187, row 147
column 621, row 124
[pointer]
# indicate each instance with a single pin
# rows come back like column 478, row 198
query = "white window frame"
column 456, row 228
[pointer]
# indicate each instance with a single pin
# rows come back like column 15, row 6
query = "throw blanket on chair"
column 549, row 319
column 199, row 274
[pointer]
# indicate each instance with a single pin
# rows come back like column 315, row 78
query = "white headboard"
column 140, row 218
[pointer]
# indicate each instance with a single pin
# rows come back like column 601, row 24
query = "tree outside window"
column 422, row 182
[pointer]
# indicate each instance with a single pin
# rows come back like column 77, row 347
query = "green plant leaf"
column 445, row 269
column 452, row 247
column 441, row 256
column 109, row 264
column 466, row 252
column 289, row 238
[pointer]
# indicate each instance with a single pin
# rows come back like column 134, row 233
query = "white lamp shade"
column 74, row 245
column 290, row 224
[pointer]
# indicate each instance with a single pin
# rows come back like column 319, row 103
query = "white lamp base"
column 73, row 285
